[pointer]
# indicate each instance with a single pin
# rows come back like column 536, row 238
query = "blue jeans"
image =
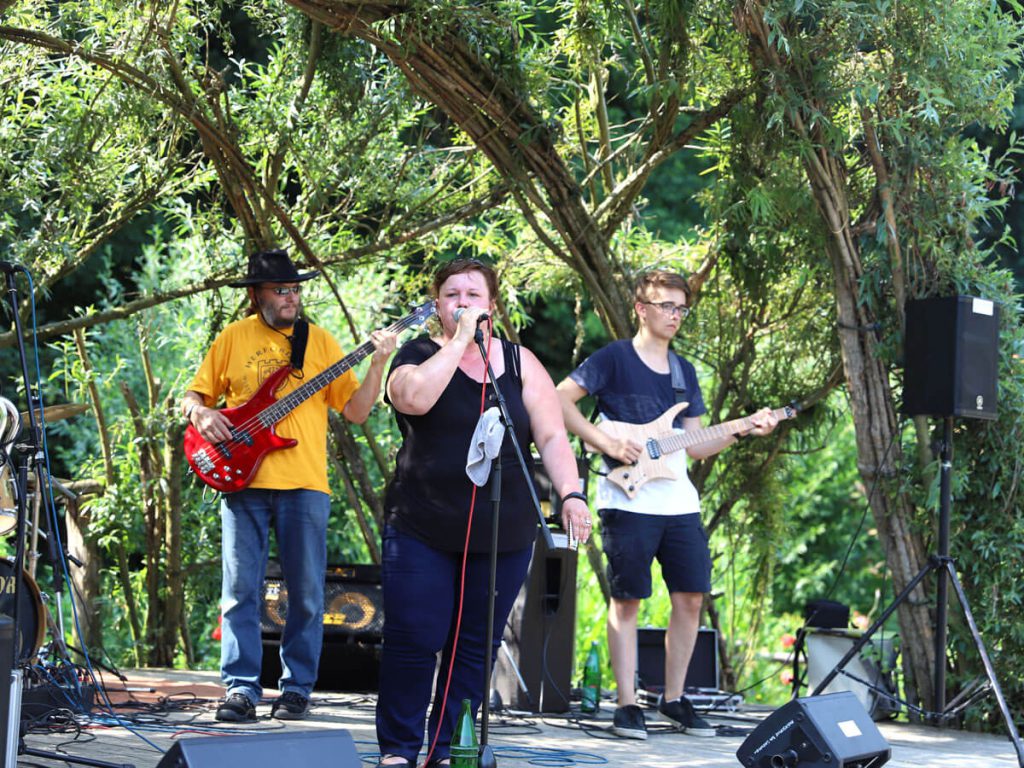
column 299, row 518
column 421, row 592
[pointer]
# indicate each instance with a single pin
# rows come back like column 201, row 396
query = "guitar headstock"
column 418, row 316
column 422, row 312
column 789, row 411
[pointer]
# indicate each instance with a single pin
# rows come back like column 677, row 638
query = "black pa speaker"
column 534, row 668
column 951, row 357
column 829, row 731
column 333, row 748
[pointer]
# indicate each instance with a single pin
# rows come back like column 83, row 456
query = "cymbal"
column 58, row 412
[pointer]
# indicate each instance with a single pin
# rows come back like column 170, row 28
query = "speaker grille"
column 353, row 605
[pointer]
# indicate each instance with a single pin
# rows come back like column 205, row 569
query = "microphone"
column 457, row 315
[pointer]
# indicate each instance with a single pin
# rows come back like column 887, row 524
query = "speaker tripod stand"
column 943, row 566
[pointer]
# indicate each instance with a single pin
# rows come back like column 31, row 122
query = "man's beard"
column 274, row 319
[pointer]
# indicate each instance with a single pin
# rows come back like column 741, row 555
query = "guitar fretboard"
column 677, row 441
column 274, row 413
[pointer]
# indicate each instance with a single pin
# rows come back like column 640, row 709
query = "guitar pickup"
column 202, row 461
column 243, row 435
column 653, row 449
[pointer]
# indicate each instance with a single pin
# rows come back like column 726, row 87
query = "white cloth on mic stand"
column 484, row 446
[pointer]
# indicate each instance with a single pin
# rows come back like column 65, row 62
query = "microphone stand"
column 34, row 455
column 486, row 758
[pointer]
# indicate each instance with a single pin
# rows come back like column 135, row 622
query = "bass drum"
column 31, row 612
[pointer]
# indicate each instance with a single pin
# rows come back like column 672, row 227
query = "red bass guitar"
column 230, row 466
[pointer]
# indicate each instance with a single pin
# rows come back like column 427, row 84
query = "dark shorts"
column 631, row 541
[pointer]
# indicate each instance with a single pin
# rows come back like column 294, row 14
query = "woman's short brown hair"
column 459, row 266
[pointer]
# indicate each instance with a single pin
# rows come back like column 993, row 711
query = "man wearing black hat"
column 289, row 491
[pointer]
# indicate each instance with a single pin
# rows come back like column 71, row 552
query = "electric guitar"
column 659, row 440
column 230, row 466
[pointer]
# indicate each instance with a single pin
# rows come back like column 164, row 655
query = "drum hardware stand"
column 944, row 566
column 32, row 454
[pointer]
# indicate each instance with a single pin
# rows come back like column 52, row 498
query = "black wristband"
column 738, row 436
column 575, row 495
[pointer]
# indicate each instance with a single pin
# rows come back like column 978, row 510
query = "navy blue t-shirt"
column 627, row 390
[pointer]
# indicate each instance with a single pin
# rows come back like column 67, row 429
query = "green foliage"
column 146, row 153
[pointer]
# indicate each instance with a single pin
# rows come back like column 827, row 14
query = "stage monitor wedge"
column 828, row 731
column 313, row 748
column 951, row 356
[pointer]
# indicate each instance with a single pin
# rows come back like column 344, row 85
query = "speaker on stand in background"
column 951, row 354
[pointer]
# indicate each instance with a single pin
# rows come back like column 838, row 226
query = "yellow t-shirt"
column 240, row 360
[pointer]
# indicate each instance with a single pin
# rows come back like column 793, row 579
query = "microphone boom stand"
column 486, row 759
column 944, row 566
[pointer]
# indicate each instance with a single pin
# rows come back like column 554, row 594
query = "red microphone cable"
column 465, row 558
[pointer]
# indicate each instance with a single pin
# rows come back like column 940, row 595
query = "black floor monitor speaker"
column 353, row 626
column 829, row 731
column 334, row 748
column 703, row 672
column 539, row 638
column 951, row 357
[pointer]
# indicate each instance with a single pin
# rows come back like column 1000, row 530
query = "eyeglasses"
column 284, row 290
column 669, row 308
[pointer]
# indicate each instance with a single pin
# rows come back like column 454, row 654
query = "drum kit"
column 33, row 617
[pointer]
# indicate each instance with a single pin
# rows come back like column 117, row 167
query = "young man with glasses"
column 633, row 381
column 289, row 491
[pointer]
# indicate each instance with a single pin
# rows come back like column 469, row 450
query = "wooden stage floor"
column 174, row 705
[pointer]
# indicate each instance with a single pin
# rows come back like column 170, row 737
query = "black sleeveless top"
column 429, row 495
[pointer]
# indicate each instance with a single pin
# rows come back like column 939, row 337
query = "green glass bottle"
column 465, row 747
column 591, row 688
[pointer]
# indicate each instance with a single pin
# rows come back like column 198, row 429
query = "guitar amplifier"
column 353, row 605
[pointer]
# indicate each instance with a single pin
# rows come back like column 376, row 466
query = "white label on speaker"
column 982, row 307
column 849, row 729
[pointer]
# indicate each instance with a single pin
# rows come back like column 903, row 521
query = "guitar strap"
column 678, row 384
column 299, row 337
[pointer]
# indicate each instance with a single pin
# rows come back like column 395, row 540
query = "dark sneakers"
column 628, row 722
column 236, row 708
column 681, row 713
column 290, row 706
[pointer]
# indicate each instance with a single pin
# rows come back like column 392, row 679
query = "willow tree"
column 842, row 179
column 143, row 155
column 867, row 103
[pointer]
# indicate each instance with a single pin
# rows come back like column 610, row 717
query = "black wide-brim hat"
column 272, row 267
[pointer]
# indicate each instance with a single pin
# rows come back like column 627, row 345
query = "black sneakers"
column 236, row 708
column 628, row 722
column 290, row 706
column 681, row 713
